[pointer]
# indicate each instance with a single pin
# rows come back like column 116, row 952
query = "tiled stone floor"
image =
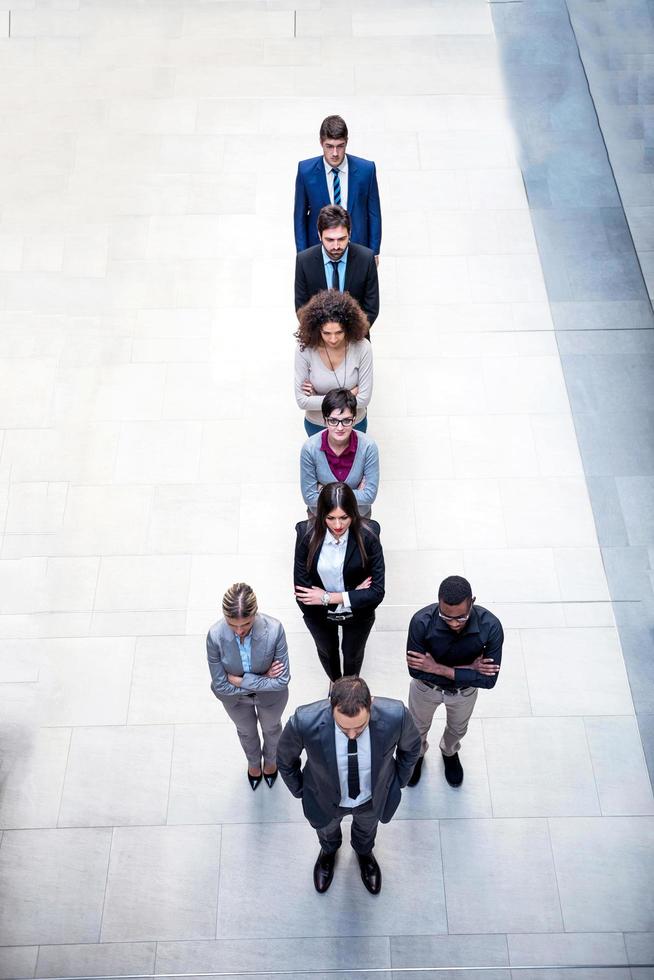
column 149, row 448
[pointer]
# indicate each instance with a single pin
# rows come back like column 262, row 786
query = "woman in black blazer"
column 339, row 578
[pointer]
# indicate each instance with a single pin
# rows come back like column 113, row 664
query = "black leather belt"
column 338, row 617
column 443, row 690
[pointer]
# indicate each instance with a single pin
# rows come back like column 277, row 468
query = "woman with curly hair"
column 333, row 352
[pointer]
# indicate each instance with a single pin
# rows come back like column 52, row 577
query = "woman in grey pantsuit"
column 248, row 660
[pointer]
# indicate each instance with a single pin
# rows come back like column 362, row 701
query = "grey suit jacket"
column 394, row 745
column 315, row 472
column 268, row 644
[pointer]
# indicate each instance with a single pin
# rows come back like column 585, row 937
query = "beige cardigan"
column 309, row 366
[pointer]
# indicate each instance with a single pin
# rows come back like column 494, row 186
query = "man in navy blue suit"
column 337, row 177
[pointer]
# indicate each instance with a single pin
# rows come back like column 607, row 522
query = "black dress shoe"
column 254, row 780
column 417, row 772
column 270, row 777
column 370, row 872
column 453, row 769
column 323, row 871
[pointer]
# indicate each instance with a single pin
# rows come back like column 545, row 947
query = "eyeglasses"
column 456, row 619
column 346, row 423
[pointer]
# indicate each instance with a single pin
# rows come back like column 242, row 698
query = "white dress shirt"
column 342, row 176
column 330, row 567
column 365, row 767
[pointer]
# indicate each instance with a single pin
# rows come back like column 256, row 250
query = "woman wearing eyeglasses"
column 332, row 352
column 248, row 661
column 339, row 578
column 339, row 454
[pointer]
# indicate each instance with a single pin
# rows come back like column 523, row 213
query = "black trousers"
column 355, row 634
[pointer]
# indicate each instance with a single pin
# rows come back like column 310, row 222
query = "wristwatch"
column 326, row 598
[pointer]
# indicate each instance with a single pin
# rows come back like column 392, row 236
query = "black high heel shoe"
column 254, row 780
column 270, row 777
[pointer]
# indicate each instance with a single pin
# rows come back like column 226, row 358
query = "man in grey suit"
column 360, row 754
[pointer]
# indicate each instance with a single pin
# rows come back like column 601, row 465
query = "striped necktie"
column 337, row 186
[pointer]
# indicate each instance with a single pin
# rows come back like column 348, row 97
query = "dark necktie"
column 335, row 280
column 337, row 186
column 353, row 788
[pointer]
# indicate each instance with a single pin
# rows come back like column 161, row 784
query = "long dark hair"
column 334, row 496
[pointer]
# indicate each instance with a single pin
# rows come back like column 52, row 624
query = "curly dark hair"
column 330, row 306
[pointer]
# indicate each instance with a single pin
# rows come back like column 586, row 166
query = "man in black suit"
column 360, row 755
column 337, row 263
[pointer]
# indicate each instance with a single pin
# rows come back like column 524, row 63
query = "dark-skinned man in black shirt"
column 453, row 648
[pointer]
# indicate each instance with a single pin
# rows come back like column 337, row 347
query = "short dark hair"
column 333, row 128
column 333, row 216
column 454, row 590
column 330, row 306
column 350, row 695
column 338, row 398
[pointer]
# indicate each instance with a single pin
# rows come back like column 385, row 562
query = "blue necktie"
column 335, row 280
column 337, row 186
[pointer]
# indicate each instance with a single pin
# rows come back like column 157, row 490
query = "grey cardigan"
column 315, row 472
column 268, row 644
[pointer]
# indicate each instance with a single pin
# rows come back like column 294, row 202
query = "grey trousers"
column 248, row 711
column 423, row 701
column 362, row 835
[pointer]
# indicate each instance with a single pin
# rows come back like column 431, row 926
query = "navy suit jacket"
column 312, row 194
column 361, row 279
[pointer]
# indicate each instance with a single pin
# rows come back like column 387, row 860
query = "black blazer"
column 394, row 750
column 361, row 279
column 354, row 570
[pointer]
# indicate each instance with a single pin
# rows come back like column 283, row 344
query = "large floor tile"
column 194, row 519
column 94, row 959
column 162, row 884
column 171, row 682
column 418, row 952
column 347, row 909
column 433, row 797
column 117, row 775
column 17, row 961
column 208, row 781
column 549, row 772
column 592, row 664
column 604, row 870
column 54, row 885
column 158, row 452
column 509, row 883
column 567, row 949
column 619, row 766
column 85, row 681
column 547, row 512
column 33, row 767
column 149, row 582
column 459, row 513
column 294, row 955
